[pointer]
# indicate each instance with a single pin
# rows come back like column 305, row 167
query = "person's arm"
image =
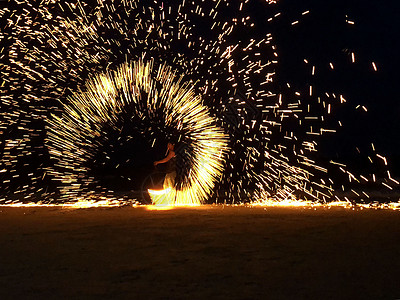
column 170, row 155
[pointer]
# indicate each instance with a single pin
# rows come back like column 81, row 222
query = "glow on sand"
column 163, row 204
column 78, row 204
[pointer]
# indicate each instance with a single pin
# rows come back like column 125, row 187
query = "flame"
column 170, row 197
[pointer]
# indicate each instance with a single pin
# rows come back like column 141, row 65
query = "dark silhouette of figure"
column 170, row 160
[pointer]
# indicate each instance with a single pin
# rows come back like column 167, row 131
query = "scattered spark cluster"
column 75, row 72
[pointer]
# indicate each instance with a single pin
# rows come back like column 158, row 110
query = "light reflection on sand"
column 167, row 206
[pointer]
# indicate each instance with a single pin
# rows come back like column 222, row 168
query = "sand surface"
column 212, row 252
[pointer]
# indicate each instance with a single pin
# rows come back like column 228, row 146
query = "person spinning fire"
column 170, row 160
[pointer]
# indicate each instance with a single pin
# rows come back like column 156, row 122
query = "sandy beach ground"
column 211, row 252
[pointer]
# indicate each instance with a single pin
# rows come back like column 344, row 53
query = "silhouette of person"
column 170, row 160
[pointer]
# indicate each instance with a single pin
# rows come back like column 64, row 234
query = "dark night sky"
column 323, row 36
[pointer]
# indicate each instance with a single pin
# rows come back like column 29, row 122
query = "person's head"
column 171, row 146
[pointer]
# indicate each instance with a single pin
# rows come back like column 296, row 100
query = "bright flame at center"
column 171, row 197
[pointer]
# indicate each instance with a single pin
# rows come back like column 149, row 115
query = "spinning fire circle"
column 135, row 91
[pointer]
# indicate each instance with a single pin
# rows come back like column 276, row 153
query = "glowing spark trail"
column 77, row 76
column 75, row 137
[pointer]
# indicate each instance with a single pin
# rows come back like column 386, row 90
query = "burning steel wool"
column 78, row 77
column 76, row 136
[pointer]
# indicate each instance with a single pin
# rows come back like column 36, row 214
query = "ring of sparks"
column 74, row 137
